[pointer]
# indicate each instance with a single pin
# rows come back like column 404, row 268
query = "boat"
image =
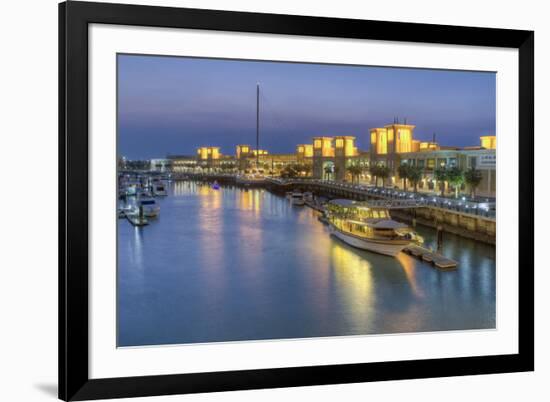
column 415, row 238
column 367, row 228
column 216, row 185
column 131, row 190
column 159, row 189
column 147, row 206
column 297, row 198
column 308, row 196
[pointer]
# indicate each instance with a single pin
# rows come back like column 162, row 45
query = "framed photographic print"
column 257, row 200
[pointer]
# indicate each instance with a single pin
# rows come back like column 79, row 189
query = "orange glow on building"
column 305, row 150
column 242, row 150
column 428, row 146
column 403, row 141
column 203, row 152
column 206, row 153
column 345, row 146
column 323, row 145
column 488, row 142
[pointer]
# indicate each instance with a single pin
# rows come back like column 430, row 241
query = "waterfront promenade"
column 485, row 208
column 468, row 218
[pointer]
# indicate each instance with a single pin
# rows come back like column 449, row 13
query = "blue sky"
column 171, row 105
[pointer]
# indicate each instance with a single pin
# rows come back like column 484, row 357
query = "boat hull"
column 389, row 248
column 151, row 212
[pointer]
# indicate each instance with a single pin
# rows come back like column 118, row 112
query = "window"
column 382, row 145
column 430, row 163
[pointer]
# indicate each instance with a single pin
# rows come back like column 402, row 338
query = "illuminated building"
column 488, row 142
column 304, row 151
column 387, row 142
column 330, row 158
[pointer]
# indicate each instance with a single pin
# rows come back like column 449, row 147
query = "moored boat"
column 159, row 189
column 367, row 228
column 147, row 206
column 297, row 198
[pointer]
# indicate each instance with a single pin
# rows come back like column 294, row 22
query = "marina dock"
column 136, row 220
column 438, row 260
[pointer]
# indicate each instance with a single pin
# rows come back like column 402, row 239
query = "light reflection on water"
column 230, row 264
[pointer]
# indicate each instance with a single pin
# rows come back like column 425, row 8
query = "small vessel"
column 297, row 198
column 415, row 238
column 159, row 190
column 308, row 196
column 367, row 228
column 216, row 185
column 147, row 206
column 123, row 211
column 131, row 190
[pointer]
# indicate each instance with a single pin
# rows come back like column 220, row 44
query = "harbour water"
column 234, row 264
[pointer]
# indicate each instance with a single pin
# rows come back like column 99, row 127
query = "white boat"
column 308, row 196
column 297, row 198
column 148, row 205
column 131, row 190
column 159, row 189
column 367, row 228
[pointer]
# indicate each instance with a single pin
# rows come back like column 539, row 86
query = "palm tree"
column 374, row 171
column 440, row 175
column 415, row 175
column 383, row 173
column 455, row 176
column 473, row 178
column 328, row 171
column 404, row 172
column 355, row 171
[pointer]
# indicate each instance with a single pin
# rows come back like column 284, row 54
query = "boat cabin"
column 359, row 219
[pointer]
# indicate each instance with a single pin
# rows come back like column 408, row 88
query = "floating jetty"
column 134, row 218
column 440, row 261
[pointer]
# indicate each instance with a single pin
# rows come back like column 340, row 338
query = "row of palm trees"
column 413, row 175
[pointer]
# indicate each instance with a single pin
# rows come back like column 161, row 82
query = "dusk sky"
column 172, row 105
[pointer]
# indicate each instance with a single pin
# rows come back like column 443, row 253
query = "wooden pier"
column 438, row 260
column 134, row 218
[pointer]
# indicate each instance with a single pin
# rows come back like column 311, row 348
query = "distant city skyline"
column 172, row 105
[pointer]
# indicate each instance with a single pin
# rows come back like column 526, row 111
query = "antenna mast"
column 258, row 126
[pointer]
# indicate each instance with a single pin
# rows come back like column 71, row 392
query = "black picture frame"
column 74, row 381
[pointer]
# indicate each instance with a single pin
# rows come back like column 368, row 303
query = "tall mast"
column 257, row 126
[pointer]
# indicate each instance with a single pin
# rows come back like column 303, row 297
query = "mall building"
column 330, row 157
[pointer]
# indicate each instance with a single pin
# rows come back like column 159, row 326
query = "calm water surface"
column 233, row 265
